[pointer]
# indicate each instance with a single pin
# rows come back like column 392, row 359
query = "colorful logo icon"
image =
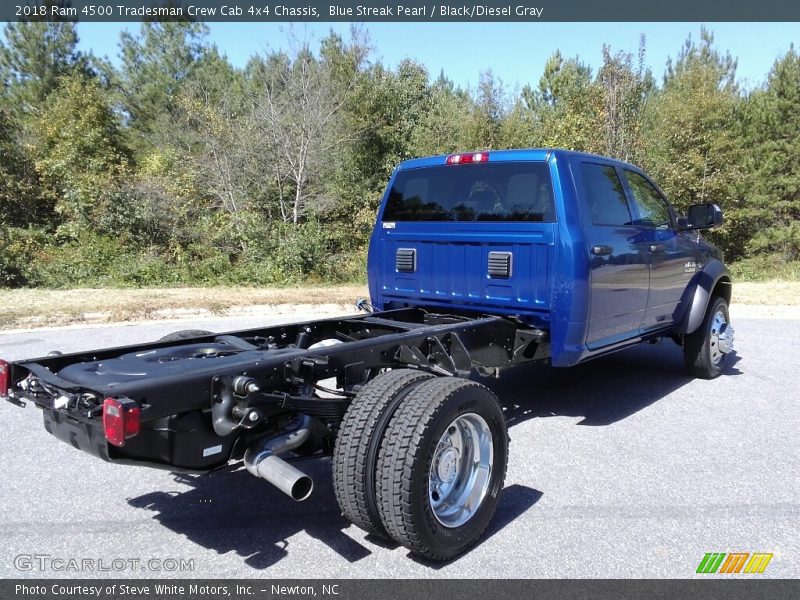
column 734, row 562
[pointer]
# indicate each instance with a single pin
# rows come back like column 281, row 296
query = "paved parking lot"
column 623, row 467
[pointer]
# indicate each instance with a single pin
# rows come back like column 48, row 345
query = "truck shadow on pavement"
column 258, row 522
column 602, row 391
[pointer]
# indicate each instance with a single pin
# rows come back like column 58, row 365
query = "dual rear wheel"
column 422, row 460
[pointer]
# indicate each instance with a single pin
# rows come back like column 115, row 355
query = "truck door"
column 619, row 271
column 672, row 260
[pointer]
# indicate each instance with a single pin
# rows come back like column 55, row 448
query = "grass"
column 766, row 268
column 26, row 308
column 770, row 293
column 23, row 308
column 766, row 280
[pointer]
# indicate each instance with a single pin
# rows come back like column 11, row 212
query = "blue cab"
column 583, row 246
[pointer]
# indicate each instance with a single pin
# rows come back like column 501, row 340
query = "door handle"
column 657, row 248
column 602, row 250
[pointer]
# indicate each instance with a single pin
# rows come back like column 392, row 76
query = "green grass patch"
column 765, row 268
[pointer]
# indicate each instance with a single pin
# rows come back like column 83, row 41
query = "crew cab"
column 478, row 262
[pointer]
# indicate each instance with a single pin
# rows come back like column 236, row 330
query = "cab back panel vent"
column 500, row 265
column 406, row 260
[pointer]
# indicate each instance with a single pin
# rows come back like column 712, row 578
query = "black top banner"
column 399, row 10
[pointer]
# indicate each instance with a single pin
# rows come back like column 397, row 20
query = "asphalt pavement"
column 622, row 467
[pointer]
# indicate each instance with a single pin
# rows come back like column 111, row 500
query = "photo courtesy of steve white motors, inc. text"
column 193, row 590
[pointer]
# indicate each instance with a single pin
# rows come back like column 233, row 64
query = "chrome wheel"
column 461, row 470
column 720, row 337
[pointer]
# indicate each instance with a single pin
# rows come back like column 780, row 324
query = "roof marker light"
column 464, row 159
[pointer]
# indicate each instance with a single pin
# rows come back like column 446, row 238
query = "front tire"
column 441, row 467
column 705, row 351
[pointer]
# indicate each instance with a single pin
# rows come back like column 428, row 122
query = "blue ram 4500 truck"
column 478, row 262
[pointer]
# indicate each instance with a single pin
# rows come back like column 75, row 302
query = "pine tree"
column 773, row 125
column 693, row 149
column 33, row 59
column 156, row 65
column 565, row 106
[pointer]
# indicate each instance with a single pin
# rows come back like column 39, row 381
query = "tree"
column 623, row 91
column 299, row 115
column 438, row 132
column 565, row 105
column 20, row 204
column 34, row 58
column 773, row 128
column 78, row 150
column 693, row 148
column 156, row 65
column 487, row 110
column 215, row 136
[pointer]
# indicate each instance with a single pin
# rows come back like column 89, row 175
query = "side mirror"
column 702, row 216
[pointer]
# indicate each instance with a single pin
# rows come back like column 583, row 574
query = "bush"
column 784, row 240
column 768, row 267
column 242, row 252
column 88, row 260
column 18, row 255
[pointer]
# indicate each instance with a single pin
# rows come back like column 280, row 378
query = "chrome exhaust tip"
column 291, row 481
column 262, row 460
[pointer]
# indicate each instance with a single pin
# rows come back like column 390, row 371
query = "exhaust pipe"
column 262, row 460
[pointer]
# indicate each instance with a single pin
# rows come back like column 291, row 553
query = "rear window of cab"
column 507, row 191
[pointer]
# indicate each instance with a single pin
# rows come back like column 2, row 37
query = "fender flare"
column 698, row 294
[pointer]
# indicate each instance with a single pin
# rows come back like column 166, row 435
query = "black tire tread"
column 350, row 454
column 695, row 353
column 400, row 449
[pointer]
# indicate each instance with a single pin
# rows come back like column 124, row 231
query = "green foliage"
column 772, row 124
column 33, row 59
column 19, row 253
column 692, row 146
column 765, row 267
column 20, row 200
column 179, row 169
column 78, row 153
column 564, row 105
column 156, row 65
column 624, row 91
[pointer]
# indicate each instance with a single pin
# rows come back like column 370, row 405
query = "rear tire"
column 706, row 350
column 358, row 443
column 441, row 467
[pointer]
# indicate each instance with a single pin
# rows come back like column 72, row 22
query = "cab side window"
column 653, row 210
column 604, row 195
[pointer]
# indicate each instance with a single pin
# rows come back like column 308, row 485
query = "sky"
column 515, row 52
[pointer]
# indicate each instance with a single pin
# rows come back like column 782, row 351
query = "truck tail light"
column 120, row 420
column 4, row 378
column 465, row 159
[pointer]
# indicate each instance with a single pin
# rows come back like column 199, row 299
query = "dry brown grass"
column 770, row 293
column 39, row 308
